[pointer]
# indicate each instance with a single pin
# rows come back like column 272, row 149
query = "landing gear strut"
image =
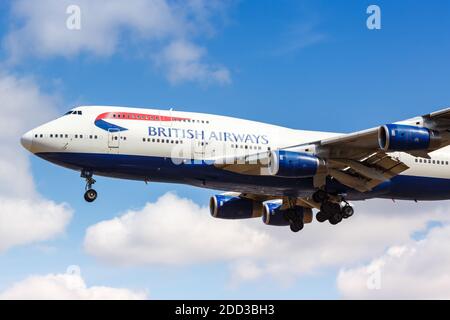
column 295, row 219
column 333, row 208
column 293, row 214
column 90, row 195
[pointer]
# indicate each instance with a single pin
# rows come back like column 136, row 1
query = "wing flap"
column 438, row 120
column 366, row 174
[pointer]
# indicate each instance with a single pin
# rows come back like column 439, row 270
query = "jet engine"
column 291, row 164
column 273, row 215
column 397, row 137
column 232, row 207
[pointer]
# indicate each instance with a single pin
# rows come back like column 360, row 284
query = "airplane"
column 268, row 171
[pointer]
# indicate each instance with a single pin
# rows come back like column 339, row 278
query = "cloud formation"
column 171, row 231
column 174, row 231
column 65, row 287
column 165, row 31
column 25, row 216
column 414, row 270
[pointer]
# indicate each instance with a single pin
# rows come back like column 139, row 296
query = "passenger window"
column 51, row 136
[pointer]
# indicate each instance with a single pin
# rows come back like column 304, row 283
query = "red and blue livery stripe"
column 101, row 123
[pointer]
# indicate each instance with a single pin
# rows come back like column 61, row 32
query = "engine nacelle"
column 397, row 137
column 230, row 207
column 274, row 216
column 291, row 164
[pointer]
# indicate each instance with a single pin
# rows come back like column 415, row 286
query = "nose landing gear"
column 90, row 195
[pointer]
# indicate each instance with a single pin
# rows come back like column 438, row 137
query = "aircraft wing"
column 361, row 160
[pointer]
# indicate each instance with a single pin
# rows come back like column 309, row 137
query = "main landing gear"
column 90, row 195
column 333, row 209
column 295, row 218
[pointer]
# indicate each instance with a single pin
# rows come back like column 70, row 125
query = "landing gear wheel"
column 347, row 211
column 335, row 218
column 330, row 208
column 320, row 196
column 296, row 226
column 90, row 195
column 295, row 219
column 321, row 216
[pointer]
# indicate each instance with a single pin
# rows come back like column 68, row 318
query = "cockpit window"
column 79, row 112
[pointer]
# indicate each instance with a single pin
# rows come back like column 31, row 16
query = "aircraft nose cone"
column 26, row 140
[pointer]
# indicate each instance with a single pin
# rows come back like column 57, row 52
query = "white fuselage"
column 89, row 135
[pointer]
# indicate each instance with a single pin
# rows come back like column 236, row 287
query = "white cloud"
column 29, row 220
column 65, row 287
column 107, row 27
column 176, row 231
column 171, row 231
column 416, row 270
column 25, row 216
column 182, row 60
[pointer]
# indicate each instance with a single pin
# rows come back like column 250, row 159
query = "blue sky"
column 302, row 64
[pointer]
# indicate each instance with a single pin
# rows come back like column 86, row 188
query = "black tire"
column 320, row 196
column 335, row 218
column 347, row 211
column 330, row 208
column 321, row 216
column 90, row 195
column 296, row 226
